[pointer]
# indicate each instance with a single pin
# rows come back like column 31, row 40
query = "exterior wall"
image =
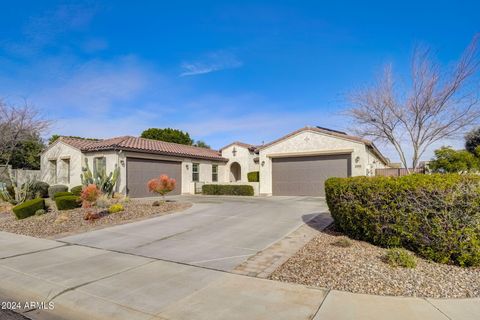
column 315, row 143
column 112, row 158
column 60, row 152
column 373, row 163
column 244, row 157
column 188, row 186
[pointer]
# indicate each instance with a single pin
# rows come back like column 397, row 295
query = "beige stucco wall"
column 312, row 142
column 60, row 151
column 244, row 157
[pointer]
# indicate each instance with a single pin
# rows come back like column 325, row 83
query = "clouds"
column 212, row 62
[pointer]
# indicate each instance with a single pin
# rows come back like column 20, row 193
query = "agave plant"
column 106, row 183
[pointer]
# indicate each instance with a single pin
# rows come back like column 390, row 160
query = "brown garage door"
column 140, row 171
column 305, row 176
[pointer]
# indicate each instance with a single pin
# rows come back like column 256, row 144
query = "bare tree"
column 17, row 124
column 436, row 105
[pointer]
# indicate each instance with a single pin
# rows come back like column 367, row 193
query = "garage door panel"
column 307, row 175
column 140, row 171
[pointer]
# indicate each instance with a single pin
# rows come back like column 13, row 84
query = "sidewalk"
column 84, row 282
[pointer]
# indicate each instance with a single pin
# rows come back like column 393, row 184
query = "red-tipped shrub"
column 162, row 185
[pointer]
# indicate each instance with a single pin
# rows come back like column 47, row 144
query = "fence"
column 397, row 172
column 20, row 176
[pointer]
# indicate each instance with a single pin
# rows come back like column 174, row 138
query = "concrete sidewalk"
column 92, row 283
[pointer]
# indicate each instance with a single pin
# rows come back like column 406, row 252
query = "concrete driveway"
column 217, row 232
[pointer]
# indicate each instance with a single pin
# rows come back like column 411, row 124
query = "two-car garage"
column 140, row 171
column 306, row 175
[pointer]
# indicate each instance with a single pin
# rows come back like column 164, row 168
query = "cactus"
column 105, row 182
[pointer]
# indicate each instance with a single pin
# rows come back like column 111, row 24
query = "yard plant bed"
column 360, row 268
column 56, row 224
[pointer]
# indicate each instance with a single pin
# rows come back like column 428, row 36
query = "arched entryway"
column 235, row 172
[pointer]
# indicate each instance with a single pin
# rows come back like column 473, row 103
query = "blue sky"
column 223, row 71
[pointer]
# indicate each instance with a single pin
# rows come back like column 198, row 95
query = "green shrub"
column 40, row 212
column 343, row 242
column 39, row 189
column 436, row 216
column 28, row 208
column 253, row 176
column 68, row 202
column 398, row 257
column 114, row 208
column 55, row 189
column 226, row 189
column 77, row 190
column 62, row 194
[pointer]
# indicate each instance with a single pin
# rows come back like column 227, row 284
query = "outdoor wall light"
column 122, row 163
column 263, row 163
column 357, row 159
column 186, row 166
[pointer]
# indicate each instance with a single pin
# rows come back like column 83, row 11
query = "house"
column 296, row 164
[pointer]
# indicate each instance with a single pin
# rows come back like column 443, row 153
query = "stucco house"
column 296, row 164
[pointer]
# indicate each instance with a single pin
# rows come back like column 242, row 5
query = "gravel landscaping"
column 360, row 268
column 57, row 224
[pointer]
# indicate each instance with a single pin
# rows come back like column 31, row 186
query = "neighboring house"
column 296, row 164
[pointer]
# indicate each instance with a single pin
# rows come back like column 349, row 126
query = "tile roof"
column 129, row 143
column 242, row 144
column 334, row 133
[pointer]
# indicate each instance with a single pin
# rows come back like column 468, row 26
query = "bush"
column 28, row 208
column 62, row 194
column 40, row 212
column 68, row 202
column 77, row 190
column 398, row 257
column 436, row 216
column 55, row 189
column 225, row 189
column 39, row 189
column 114, row 208
column 253, row 176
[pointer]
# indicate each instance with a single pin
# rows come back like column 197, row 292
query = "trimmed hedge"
column 62, row 194
column 39, row 189
column 28, row 208
column 68, row 202
column 226, row 189
column 52, row 190
column 77, row 190
column 253, row 176
column 436, row 216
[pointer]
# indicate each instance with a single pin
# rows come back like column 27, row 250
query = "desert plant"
column 52, row 190
column 39, row 189
column 28, row 208
column 40, row 212
column 343, row 242
column 161, row 185
column 68, row 202
column 253, row 176
column 103, row 202
column 114, row 208
column 89, row 195
column 436, row 216
column 105, row 182
column 227, row 189
column 398, row 257
column 77, row 190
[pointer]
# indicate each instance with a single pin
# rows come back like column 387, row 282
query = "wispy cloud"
column 212, row 62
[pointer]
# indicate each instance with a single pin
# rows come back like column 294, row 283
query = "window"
column 99, row 165
column 214, row 173
column 66, row 172
column 53, row 171
column 195, row 172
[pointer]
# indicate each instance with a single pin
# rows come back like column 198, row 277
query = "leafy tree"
column 449, row 160
column 168, row 135
column 202, row 144
column 26, row 155
column 472, row 140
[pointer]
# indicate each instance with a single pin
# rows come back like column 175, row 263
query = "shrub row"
column 62, row 194
column 52, row 190
column 68, row 202
column 253, row 176
column 28, row 208
column 77, row 190
column 225, row 189
column 436, row 216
